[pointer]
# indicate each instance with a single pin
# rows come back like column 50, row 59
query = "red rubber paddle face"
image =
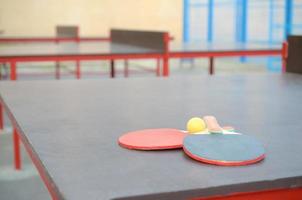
column 153, row 139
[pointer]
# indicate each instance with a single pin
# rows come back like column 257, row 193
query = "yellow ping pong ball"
column 195, row 125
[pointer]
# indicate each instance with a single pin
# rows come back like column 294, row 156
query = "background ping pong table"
column 121, row 45
column 74, row 145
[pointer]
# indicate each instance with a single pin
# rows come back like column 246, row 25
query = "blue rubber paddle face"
column 224, row 149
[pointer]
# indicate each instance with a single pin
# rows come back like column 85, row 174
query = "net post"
column 284, row 55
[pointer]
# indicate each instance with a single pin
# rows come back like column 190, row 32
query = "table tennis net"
column 294, row 59
column 67, row 32
column 146, row 39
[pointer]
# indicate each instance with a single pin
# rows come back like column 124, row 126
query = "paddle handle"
column 212, row 124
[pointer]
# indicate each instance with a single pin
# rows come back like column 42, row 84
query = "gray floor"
column 16, row 185
column 26, row 184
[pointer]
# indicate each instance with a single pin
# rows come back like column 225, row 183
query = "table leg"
column 13, row 70
column 158, row 67
column 126, row 69
column 284, row 56
column 112, row 68
column 57, row 70
column 17, row 153
column 78, row 69
column 1, row 117
column 211, row 65
column 165, row 66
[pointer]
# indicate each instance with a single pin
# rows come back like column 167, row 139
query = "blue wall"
column 257, row 21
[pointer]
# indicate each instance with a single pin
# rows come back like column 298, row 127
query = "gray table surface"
column 68, row 48
column 221, row 46
column 73, row 127
column 106, row 48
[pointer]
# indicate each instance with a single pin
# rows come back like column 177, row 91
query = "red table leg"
column 284, row 56
column 1, row 117
column 13, row 70
column 126, row 69
column 166, row 54
column 211, row 66
column 17, row 153
column 78, row 69
column 165, row 66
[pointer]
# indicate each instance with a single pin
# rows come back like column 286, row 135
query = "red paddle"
column 153, row 139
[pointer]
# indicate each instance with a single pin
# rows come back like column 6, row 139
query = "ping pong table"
column 72, row 139
column 125, row 45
